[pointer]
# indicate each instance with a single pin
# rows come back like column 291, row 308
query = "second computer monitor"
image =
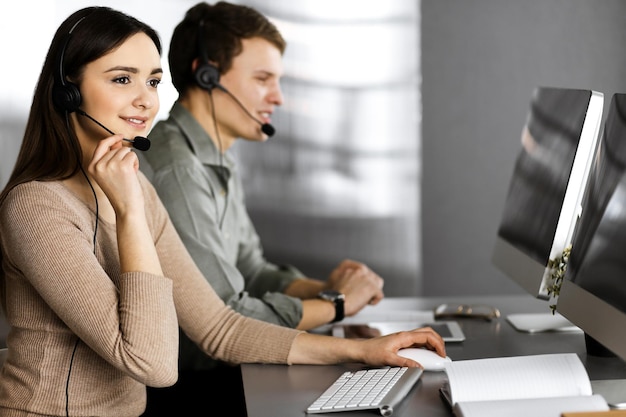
column 547, row 185
column 593, row 294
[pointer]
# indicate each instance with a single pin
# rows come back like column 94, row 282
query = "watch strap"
column 339, row 309
column 337, row 299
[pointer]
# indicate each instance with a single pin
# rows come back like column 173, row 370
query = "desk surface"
column 286, row 391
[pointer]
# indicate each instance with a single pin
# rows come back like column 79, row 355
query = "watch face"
column 331, row 295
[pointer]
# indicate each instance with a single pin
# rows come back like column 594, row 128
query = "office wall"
column 481, row 60
column 340, row 178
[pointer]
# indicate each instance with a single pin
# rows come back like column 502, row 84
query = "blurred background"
column 400, row 127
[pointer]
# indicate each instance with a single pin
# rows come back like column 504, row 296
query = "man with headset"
column 226, row 63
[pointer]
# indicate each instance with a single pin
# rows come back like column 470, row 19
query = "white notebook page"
column 534, row 376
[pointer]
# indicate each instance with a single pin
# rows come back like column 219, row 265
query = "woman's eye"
column 121, row 80
column 154, row 82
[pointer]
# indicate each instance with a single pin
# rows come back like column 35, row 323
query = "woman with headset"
column 95, row 281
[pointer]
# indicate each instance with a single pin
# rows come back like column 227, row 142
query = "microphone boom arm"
column 266, row 128
column 141, row 143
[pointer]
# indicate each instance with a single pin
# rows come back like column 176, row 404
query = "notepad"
column 520, row 386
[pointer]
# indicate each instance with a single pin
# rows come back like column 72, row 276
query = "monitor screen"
column 547, row 184
column 593, row 293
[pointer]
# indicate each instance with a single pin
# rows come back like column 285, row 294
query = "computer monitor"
column 593, row 292
column 547, row 185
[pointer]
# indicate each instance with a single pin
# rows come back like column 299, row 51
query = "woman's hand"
column 383, row 350
column 114, row 167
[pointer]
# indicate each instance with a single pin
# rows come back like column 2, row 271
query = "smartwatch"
column 338, row 299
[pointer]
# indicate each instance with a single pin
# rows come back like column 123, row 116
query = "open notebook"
column 520, row 386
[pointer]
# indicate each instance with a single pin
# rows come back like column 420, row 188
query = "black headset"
column 65, row 95
column 206, row 74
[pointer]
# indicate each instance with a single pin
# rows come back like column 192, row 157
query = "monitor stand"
column 541, row 322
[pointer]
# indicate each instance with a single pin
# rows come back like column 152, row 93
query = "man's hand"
column 361, row 285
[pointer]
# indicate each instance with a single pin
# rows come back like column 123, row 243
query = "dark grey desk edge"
column 286, row 391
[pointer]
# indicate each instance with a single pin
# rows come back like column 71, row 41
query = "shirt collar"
column 199, row 141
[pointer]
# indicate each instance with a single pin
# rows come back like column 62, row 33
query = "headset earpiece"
column 65, row 95
column 206, row 74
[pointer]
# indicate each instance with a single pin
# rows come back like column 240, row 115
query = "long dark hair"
column 50, row 150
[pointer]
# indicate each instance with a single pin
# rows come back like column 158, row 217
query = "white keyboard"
column 381, row 388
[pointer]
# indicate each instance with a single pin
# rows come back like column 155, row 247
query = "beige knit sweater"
column 74, row 317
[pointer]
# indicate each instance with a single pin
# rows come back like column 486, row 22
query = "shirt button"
column 222, row 192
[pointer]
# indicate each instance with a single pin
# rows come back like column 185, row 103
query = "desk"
column 286, row 391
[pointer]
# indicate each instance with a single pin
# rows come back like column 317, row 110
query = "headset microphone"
column 141, row 143
column 207, row 77
column 268, row 129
